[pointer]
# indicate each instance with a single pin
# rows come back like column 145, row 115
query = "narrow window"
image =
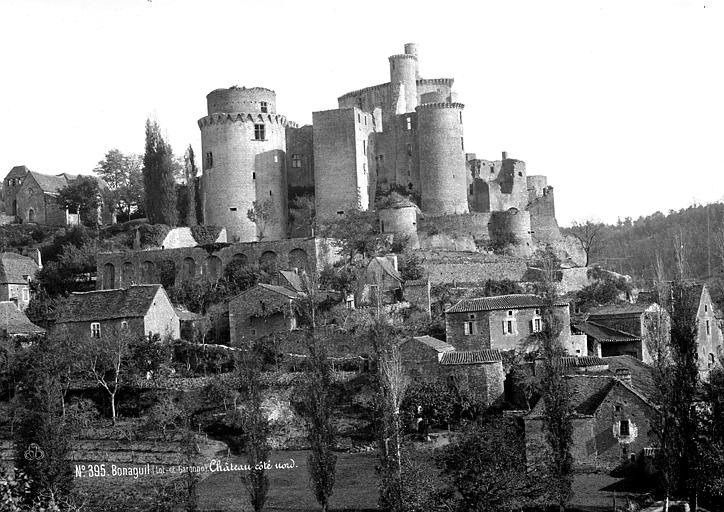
column 537, row 325
column 340, row 212
column 468, row 328
column 276, row 158
column 633, row 457
column 510, row 312
column 462, row 143
column 708, row 328
column 232, row 209
column 471, row 189
column 209, row 160
column 259, row 132
column 461, row 118
column 95, row 330
column 359, row 119
column 253, row 175
column 124, row 325
column 364, row 147
column 510, row 327
column 264, row 107
column 624, row 428
column 706, row 308
column 409, row 149
column 26, row 294
column 296, row 161
column 409, row 123
column 270, row 193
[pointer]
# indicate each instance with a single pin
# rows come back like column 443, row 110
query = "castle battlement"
column 242, row 117
column 440, row 105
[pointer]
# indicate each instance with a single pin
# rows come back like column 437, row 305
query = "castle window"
column 253, row 175
column 264, row 107
column 462, row 143
column 270, row 193
column 209, row 160
column 232, row 209
column 95, row 328
column 624, row 428
column 409, row 149
column 124, row 325
column 359, row 102
column 340, row 212
column 708, row 328
column 409, row 123
column 259, row 132
column 296, row 161
column 492, row 169
column 365, row 120
column 520, row 173
column 461, row 118
column 409, row 186
column 706, row 308
column 468, row 328
column 364, row 147
column 471, row 189
column 359, row 118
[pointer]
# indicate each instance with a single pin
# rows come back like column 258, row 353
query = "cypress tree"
column 190, row 171
column 158, row 179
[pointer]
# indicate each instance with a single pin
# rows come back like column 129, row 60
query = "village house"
column 16, row 272
column 479, row 372
column 14, row 324
column 262, row 310
column 709, row 334
column 380, row 281
column 614, row 416
column 506, row 322
column 143, row 310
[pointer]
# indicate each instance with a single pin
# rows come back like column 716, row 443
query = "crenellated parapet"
column 242, row 117
column 425, row 106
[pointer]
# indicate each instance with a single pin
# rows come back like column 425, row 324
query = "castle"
column 405, row 136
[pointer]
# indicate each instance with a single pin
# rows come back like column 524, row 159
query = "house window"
column 95, row 330
column 264, row 107
column 468, row 328
column 623, row 428
column 26, row 294
column 209, row 160
column 259, row 132
column 633, row 457
column 708, row 328
column 296, row 161
column 706, row 308
column 124, row 325
column 359, row 119
column 617, row 408
column 340, row 212
column 461, row 118
column 537, row 311
column 508, row 327
column 535, row 325
column 409, row 123
column 232, row 209
column 409, row 149
column 510, row 312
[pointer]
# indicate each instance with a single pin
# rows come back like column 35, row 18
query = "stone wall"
column 116, row 269
column 486, row 381
column 470, row 268
column 418, row 294
column 300, row 157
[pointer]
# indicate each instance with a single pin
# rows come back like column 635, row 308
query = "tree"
column 261, row 213
column 303, row 212
column 190, row 172
column 158, row 178
column 590, row 235
column 84, row 196
column 105, row 360
column 486, row 468
column 123, row 175
column 357, row 232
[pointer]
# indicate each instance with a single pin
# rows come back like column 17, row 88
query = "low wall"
column 469, row 267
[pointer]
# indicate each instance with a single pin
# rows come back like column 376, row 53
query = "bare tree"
column 590, row 235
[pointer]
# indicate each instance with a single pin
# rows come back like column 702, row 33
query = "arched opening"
column 147, row 272
column 240, row 258
column 109, row 276
column 268, row 259
column 213, row 268
column 167, row 273
column 298, row 259
column 31, row 215
column 128, row 276
column 188, row 269
column 15, row 207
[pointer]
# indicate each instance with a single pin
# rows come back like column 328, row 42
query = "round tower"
column 401, row 220
column 403, row 70
column 443, row 175
column 411, row 49
column 243, row 145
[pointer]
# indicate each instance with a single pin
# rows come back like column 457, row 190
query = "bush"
column 149, row 235
column 205, row 235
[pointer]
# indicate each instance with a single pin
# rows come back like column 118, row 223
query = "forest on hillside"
column 633, row 246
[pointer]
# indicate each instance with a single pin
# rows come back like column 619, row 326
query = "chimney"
column 505, row 155
column 624, row 375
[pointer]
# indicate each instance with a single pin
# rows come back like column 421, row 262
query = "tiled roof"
column 583, row 361
column 642, row 376
column 434, row 343
column 387, row 267
column 293, row 279
column 471, row 357
column 586, row 393
column 132, row 302
column 13, row 268
column 187, row 316
column 604, row 334
column 14, row 321
column 49, row 184
column 500, row 302
column 624, row 308
column 281, row 290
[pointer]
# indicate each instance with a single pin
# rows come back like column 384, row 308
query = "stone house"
column 619, row 329
column 16, row 272
column 709, row 335
column 14, row 323
column 479, row 372
column 143, row 310
column 262, row 310
column 505, row 322
column 380, row 279
column 614, row 414
column 36, row 200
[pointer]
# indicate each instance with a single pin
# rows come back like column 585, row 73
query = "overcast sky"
column 619, row 103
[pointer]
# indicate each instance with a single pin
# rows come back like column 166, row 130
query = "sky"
column 619, row 103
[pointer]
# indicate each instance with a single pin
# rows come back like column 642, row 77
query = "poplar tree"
column 158, row 178
column 190, row 172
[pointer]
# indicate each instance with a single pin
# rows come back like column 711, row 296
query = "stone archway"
column 188, row 269
column 298, row 259
column 148, row 270
column 213, row 268
column 109, row 276
column 268, row 259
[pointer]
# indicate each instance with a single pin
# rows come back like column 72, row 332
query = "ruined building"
column 405, row 136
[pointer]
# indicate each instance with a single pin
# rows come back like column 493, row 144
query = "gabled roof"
column 516, row 301
column 387, row 267
column 434, row 343
column 131, row 302
column 586, row 393
column 49, row 184
column 14, row 322
column 604, row 334
column 642, row 374
column 471, row 357
column 14, row 267
column 281, row 290
column 17, row 172
column 293, row 280
column 582, row 361
column 186, row 316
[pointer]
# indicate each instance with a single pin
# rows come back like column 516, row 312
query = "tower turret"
column 243, row 153
column 443, row 172
column 403, row 70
